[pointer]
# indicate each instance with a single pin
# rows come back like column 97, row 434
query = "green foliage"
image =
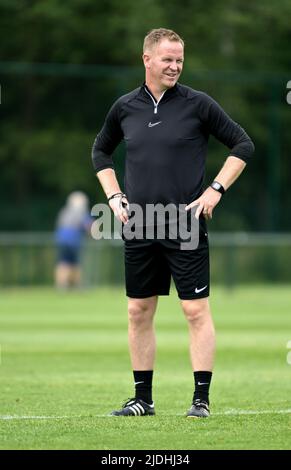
column 236, row 51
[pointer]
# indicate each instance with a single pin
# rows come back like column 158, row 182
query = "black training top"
column 166, row 142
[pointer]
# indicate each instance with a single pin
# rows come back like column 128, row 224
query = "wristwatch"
column 218, row 187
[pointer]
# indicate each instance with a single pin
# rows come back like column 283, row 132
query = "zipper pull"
column 156, row 109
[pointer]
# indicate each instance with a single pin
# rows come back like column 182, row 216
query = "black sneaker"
column 199, row 409
column 135, row 407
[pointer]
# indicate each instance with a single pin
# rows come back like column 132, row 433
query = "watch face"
column 218, row 187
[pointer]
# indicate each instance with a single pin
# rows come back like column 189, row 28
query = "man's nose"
column 174, row 67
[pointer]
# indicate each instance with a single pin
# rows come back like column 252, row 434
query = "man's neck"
column 156, row 92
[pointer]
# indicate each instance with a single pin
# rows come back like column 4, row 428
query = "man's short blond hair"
column 157, row 35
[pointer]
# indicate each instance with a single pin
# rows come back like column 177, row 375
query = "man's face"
column 164, row 63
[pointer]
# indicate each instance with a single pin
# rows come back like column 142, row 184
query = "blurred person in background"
column 73, row 222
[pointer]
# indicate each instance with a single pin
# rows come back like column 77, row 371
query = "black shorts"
column 149, row 265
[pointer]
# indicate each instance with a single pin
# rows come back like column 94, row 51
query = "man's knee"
column 141, row 311
column 195, row 310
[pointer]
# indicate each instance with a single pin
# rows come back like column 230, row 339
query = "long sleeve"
column 227, row 131
column 107, row 140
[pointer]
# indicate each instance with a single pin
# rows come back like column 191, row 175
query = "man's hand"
column 120, row 207
column 206, row 203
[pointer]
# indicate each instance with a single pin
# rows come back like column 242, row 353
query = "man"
column 166, row 127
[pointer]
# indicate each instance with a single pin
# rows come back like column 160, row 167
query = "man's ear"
column 146, row 60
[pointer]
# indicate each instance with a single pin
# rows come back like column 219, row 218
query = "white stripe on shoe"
column 133, row 410
column 142, row 410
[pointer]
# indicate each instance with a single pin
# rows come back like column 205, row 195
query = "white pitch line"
column 224, row 413
column 252, row 412
column 8, row 417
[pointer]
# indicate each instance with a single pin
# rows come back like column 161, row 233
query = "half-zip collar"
column 156, row 103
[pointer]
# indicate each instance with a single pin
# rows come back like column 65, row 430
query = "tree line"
column 62, row 65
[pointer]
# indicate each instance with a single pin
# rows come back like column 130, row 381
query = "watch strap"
column 218, row 187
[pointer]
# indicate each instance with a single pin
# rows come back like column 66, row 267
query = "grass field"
column 65, row 365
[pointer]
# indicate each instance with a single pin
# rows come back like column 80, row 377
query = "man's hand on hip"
column 206, row 203
column 120, row 208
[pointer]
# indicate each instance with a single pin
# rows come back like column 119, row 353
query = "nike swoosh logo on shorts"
column 154, row 124
column 200, row 290
column 203, row 383
column 136, row 383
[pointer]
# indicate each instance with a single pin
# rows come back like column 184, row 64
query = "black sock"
column 202, row 381
column 143, row 384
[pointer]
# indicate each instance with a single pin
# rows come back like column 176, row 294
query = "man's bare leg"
column 141, row 334
column 142, row 347
column 202, row 350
